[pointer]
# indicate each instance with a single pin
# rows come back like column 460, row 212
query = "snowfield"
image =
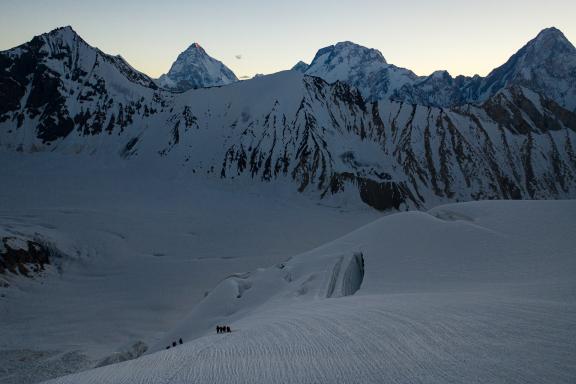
column 480, row 292
column 138, row 246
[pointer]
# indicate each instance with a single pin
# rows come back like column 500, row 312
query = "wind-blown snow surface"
column 479, row 292
column 138, row 246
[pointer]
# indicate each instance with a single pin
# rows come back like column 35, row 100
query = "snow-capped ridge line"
column 65, row 41
column 543, row 63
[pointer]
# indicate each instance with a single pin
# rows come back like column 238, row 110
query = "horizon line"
column 248, row 77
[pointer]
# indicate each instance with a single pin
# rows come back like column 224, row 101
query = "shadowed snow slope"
column 137, row 248
column 466, row 293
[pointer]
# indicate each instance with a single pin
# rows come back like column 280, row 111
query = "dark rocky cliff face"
column 26, row 260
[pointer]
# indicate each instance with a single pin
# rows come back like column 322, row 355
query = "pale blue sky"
column 462, row 36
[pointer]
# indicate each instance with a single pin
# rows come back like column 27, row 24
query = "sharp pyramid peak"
column 549, row 37
column 550, row 32
column 195, row 47
column 65, row 34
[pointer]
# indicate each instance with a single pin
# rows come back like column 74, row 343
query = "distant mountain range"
column 348, row 123
column 547, row 65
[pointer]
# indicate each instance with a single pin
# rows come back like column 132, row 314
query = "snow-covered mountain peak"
column 334, row 60
column 65, row 52
column 355, row 50
column 548, row 46
column 66, row 30
column 194, row 68
column 546, row 64
column 61, row 37
column 194, row 49
column 361, row 67
column 441, row 75
column 552, row 35
column 300, row 67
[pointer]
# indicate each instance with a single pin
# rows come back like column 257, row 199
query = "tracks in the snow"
column 433, row 338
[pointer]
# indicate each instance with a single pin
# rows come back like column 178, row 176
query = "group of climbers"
column 219, row 329
column 223, row 329
column 174, row 343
